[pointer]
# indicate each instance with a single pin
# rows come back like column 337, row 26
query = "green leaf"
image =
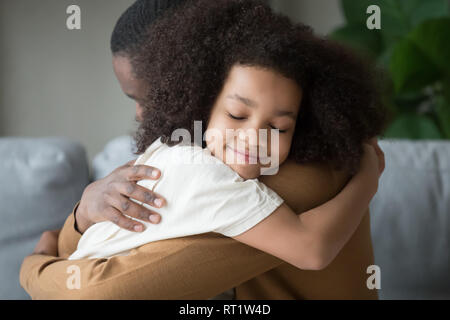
column 398, row 17
column 411, row 101
column 428, row 9
column 410, row 68
column 413, row 126
column 385, row 57
column 432, row 37
column 443, row 116
column 395, row 23
column 363, row 40
column 446, row 87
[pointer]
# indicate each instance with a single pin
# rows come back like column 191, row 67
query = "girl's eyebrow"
column 290, row 114
column 245, row 101
column 252, row 104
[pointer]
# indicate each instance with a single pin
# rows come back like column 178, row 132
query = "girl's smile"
column 245, row 155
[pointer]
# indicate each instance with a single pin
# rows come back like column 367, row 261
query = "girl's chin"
column 246, row 171
column 242, row 167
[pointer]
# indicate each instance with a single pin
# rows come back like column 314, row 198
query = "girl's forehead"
column 254, row 87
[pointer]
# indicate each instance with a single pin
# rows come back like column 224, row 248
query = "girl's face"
column 253, row 99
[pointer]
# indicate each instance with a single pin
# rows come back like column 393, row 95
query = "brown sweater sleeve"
column 196, row 267
column 69, row 236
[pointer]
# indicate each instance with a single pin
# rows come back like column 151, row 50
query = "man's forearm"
column 80, row 223
column 168, row 269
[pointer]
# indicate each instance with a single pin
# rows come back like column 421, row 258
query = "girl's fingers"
column 373, row 142
column 381, row 158
column 379, row 152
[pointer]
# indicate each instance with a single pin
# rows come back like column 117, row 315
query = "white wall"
column 56, row 82
column 322, row 15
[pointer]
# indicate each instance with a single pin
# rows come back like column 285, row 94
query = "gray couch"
column 42, row 179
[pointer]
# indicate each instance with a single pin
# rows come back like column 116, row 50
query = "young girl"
column 253, row 71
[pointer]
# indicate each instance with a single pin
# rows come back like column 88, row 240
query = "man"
column 196, row 267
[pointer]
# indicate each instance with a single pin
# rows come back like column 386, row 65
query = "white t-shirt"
column 202, row 195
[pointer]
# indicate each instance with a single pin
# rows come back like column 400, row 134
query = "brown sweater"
column 202, row 266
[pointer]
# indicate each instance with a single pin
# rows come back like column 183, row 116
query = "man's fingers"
column 130, row 163
column 141, row 172
column 125, row 166
column 137, row 192
column 126, row 206
column 115, row 216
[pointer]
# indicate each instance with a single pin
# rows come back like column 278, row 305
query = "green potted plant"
column 412, row 46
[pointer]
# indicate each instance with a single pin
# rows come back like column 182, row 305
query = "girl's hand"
column 372, row 163
column 107, row 199
column 380, row 154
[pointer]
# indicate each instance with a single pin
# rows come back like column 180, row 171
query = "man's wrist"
column 39, row 253
column 80, row 223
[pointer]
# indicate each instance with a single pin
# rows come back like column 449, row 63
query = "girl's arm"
column 312, row 240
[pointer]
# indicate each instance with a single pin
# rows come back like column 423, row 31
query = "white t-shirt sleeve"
column 244, row 206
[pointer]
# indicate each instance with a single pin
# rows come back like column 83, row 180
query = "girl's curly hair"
column 190, row 50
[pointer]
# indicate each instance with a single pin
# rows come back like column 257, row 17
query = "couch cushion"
column 41, row 180
column 410, row 219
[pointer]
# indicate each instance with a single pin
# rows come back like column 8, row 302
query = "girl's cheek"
column 284, row 148
column 227, row 125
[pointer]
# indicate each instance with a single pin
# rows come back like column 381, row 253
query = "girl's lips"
column 245, row 154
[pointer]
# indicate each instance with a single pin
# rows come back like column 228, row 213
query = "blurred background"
column 59, row 83
column 56, row 81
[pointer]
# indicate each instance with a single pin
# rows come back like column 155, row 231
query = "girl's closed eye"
column 235, row 117
column 279, row 130
column 243, row 118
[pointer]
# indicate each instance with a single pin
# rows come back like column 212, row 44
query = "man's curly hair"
column 190, row 50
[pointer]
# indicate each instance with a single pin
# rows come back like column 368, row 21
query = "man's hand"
column 108, row 199
column 48, row 243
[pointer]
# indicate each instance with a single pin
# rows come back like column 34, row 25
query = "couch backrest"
column 410, row 220
column 116, row 153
